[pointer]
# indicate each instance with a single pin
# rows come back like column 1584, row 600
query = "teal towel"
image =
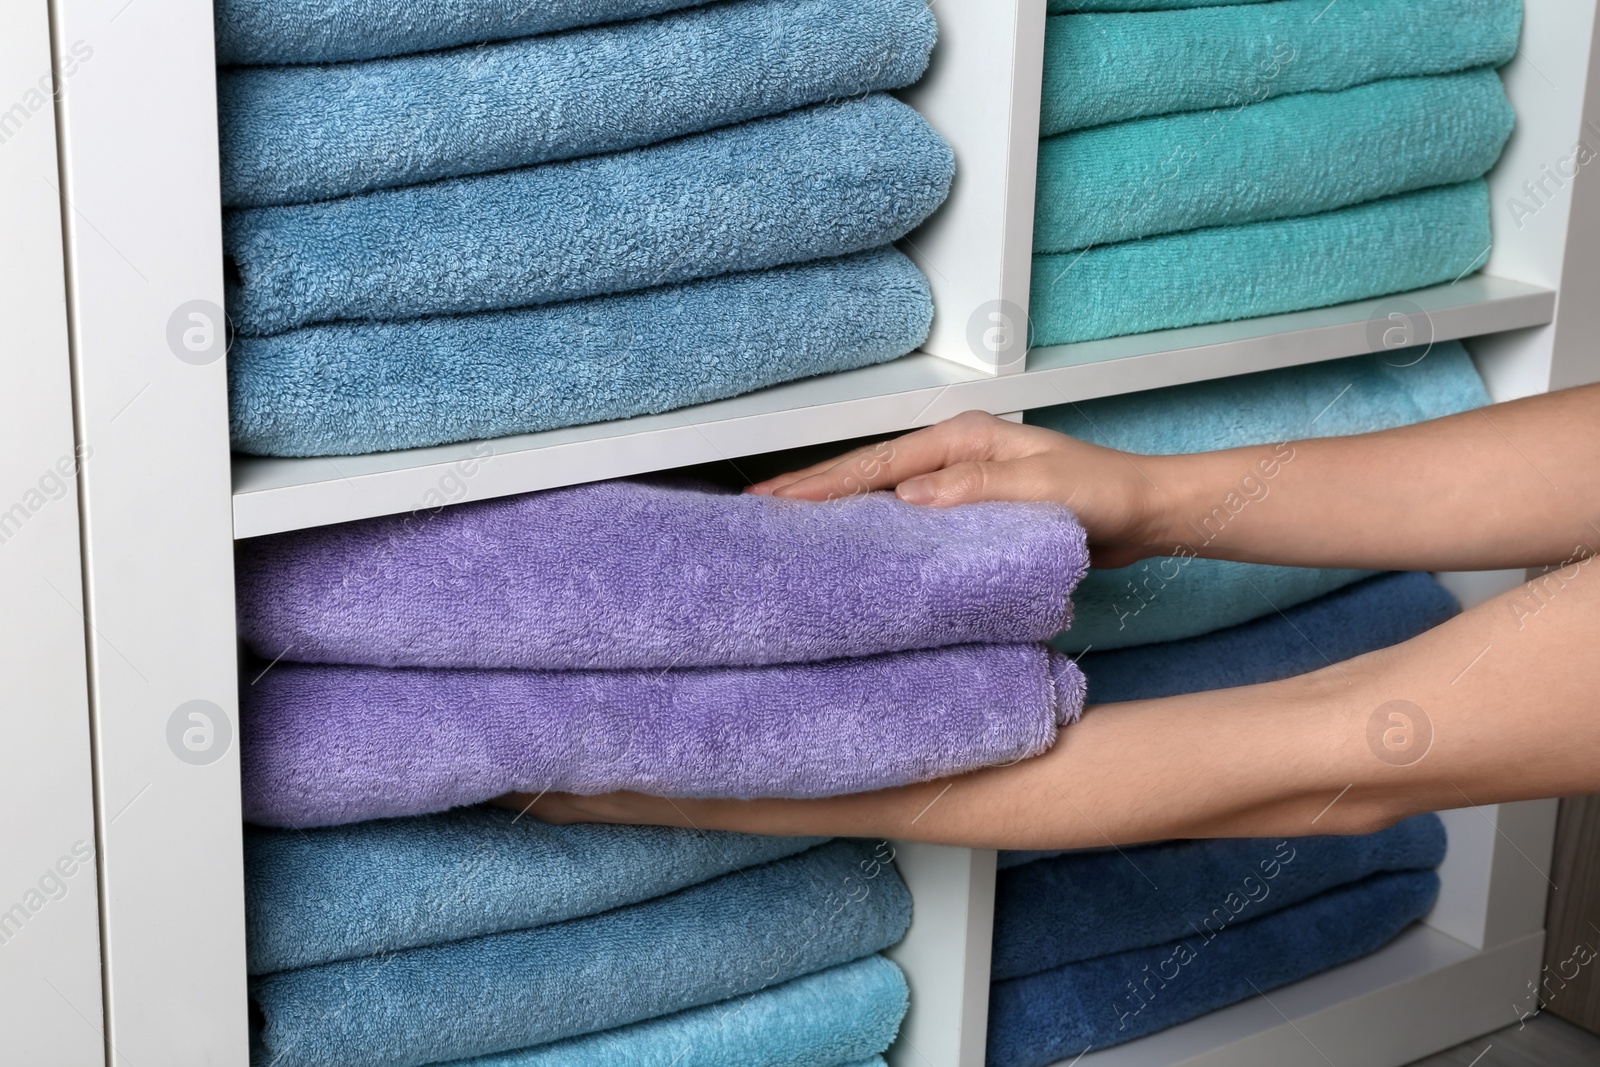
column 1297, row 155
column 840, row 1016
column 725, row 938
column 815, row 182
column 1063, row 7
column 1168, row 598
column 1108, row 68
column 340, row 892
column 293, row 134
column 1261, row 268
column 347, row 388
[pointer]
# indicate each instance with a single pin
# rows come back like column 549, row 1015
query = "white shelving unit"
column 144, row 549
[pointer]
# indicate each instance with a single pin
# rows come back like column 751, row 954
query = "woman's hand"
column 976, row 456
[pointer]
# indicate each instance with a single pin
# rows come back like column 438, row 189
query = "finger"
column 1021, row 480
column 972, row 435
column 778, row 481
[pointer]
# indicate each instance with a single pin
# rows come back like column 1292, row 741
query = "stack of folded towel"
column 594, row 211
column 478, row 936
column 1202, row 163
column 1099, row 947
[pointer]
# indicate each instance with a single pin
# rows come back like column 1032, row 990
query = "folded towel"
column 819, row 181
column 1171, row 597
column 1295, row 155
column 1054, row 1016
column 1108, row 68
column 839, row 1016
column 721, row 939
column 1075, row 907
column 344, row 388
column 1261, row 268
column 658, row 574
column 327, row 744
column 324, row 31
column 319, row 896
column 1064, row 7
column 292, row 134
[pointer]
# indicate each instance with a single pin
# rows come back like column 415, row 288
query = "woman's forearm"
column 1514, row 485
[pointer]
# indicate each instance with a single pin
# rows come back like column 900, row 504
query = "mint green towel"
column 1107, row 68
column 1296, row 155
column 1261, row 268
column 1168, row 598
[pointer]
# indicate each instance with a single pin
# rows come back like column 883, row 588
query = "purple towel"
column 329, row 744
column 646, row 574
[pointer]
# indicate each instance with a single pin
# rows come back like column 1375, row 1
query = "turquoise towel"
column 1296, row 155
column 293, row 134
column 345, row 388
column 1108, row 68
column 325, row 31
column 1168, row 598
column 840, row 1016
column 1062, row 7
column 819, row 181
column 724, row 938
column 317, row 896
column 1261, row 268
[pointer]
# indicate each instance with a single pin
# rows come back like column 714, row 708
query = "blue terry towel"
column 293, row 134
column 326, row 31
column 317, row 896
column 720, row 939
column 818, row 181
column 1082, row 905
column 1296, row 155
column 1109, row 68
column 1054, row 1016
column 1169, row 597
column 1261, row 268
column 844, row 1015
column 345, row 388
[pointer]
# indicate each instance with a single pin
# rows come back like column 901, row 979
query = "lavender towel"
column 330, row 744
column 658, row 575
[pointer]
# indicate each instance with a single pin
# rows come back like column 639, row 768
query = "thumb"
column 971, row 482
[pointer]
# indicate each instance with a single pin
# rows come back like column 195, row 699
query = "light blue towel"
column 1296, row 155
column 724, row 938
column 325, row 31
column 1167, row 598
column 293, row 134
column 844, row 1015
column 345, row 388
column 819, row 181
column 317, row 896
column 1108, row 68
column 1261, row 268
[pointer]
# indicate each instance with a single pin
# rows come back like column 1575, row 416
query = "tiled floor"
column 1545, row 1041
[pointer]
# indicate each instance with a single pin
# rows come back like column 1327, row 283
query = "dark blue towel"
column 1056, row 1015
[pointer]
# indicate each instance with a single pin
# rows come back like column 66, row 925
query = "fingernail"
column 916, row 491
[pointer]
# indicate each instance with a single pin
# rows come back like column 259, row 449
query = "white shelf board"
column 1423, row 992
column 272, row 495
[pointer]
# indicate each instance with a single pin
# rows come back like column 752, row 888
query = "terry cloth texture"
column 1261, row 268
column 318, row 896
column 658, row 575
column 729, row 937
column 1063, row 7
column 327, row 744
column 1296, row 155
column 347, row 388
column 293, row 134
column 820, row 181
column 1055, row 1015
column 1110, row 68
column 1171, row 597
column 1080, row 906
column 326, row 31
column 836, row 1017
